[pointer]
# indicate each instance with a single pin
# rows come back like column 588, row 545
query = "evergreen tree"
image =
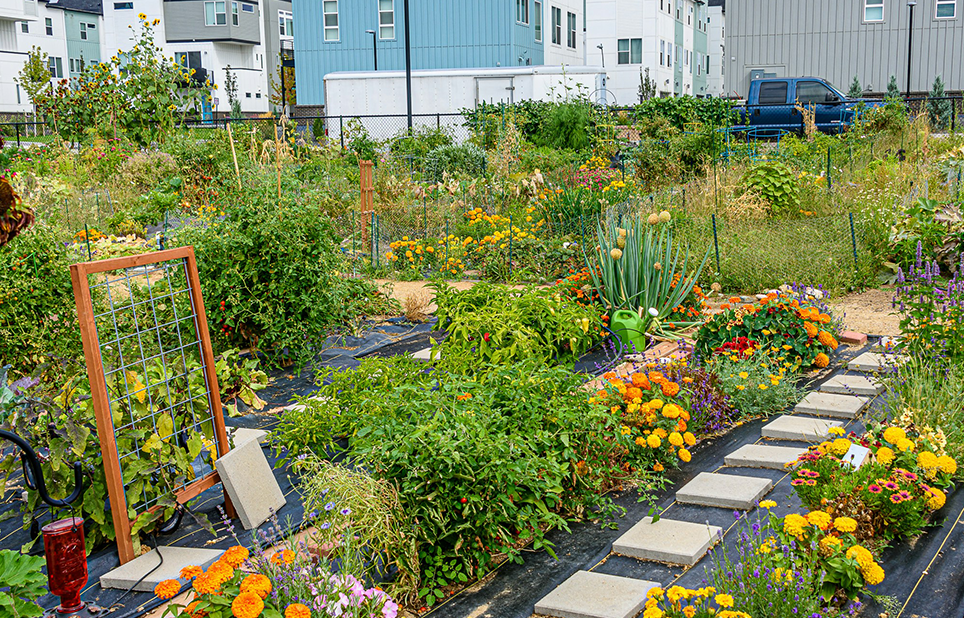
column 940, row 110
column 893, row 91
column 856, row 90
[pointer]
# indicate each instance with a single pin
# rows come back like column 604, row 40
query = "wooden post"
column 277, row 157
column 234, row 155
column 367, row 184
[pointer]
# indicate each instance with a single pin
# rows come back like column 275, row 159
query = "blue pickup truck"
column 774, row 103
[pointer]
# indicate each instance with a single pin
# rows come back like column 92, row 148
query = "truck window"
column 773, row 93
column 813, row 93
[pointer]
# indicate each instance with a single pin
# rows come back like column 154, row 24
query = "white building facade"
column 563, row 35
column 716, row 47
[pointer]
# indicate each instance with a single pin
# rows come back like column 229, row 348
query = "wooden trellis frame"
column 86, row 314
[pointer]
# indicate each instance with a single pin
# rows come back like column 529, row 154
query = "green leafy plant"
column 776, row 183
column 21, row 583
column 756, row 385
column 454, row 159
column 566, row 127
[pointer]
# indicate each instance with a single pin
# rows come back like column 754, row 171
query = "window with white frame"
column 678, row 54
column 55, row 66
column 215, row 14
column 946, row 9
column 873, row 10
column 669, row 55
column 689, row 16
column 330, row 10
column 286, row 24
column 386, row 19
column 49, row 25
column 571, row 39
column 537, row 20
column 235, row 14
column 557, row 25
column 25, row 27
column 662, row 53
column 83, row 31
column 522, row 11
column 629, row 51
column 247, row 8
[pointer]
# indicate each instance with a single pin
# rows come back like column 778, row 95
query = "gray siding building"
column 840, row 39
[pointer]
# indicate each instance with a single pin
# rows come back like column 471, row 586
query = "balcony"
column 18, row 10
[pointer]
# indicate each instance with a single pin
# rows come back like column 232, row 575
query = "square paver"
column 240, row 435
column 852, row 384
column 872, row 362
column 802, row 428
column 426, row 355
column 831, row 404
column 250, row 483
column 763, row 456
column 667, row 540
column 175, row 558
column 595, row 595
column 727, row 491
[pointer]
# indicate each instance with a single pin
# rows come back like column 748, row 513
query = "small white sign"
column 856, row 456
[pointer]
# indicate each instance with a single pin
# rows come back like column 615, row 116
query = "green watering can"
column 628, row 326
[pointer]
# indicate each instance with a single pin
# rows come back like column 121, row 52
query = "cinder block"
column 595, row 595
column 667, row 540
column 853, row 338
column 250, row 483
column 175, row 558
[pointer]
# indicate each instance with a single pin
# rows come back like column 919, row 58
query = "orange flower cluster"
column 247, row 605
column 285, row 556
column 258, row 584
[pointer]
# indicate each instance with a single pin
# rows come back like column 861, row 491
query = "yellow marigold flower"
column 723, row 600
column 653, row 441
column 676, row 439
column 247, row 605
column 840, row 446
column 830, row 544
column 641, row 441
column 935, row 498
column 795, row 525
column 822, row 360
column 927, row 460
column 655, row 593
column 689, row 438
column 744, row 375
column 836, row 431
column 894, row 435
column 768, row 504
column 659, row 431
column 685, row 455
column 689, row 611
column 656, row 404
column 167, row 589
column 863, row 557
column 873, row 574
column 884, row 456
column 625, row 430
column 947, row 464
column 671, row 411
column 906, row 445
column 675, row 593
column 820, row 519
column 258, row 584
column 653, row 612
column 845, row 524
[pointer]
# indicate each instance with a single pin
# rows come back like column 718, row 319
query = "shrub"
column 776, row 183
column 566, row 127
column 757, row 384
column 455, row 159
column 420, row 142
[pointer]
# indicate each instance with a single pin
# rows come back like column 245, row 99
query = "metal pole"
column 408, row 65
column 910, row 41
column 716, row 244
column 853, row 239
column 510, row 247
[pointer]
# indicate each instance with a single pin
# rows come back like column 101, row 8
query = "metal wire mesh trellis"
column 153, row 381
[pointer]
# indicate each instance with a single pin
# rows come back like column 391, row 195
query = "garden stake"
column 446, row 240
column 87, row 238
column 853, row 238
column 716, row 244
column 234, row 155
column 510, row 246
column 277, row 158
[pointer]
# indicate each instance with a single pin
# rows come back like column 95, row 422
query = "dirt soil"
column 868, row 312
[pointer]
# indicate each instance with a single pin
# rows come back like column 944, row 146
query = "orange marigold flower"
column 258, row 584
column 167, row 589
column 724, row 306
column 192, row 611
column 247, row 605
column 822, row 360
column 297, row 610
column 658, row 467
column 190, row 572
column 285, row 556
column 633, row 393
column 826, row 339
column 656, row 377
column 220, row 572
column 687, row 380
column 681, row 425
column 641, row 381
column 734, row 299
column 823, row 318
column 811, row 329
column 670, row 389
column 235, row 556
column 749, row 308
column 206, row 583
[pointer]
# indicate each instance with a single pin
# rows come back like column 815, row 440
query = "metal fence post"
column 853, row 240
column 829, row 180
column 716, row 243
column 341, row 131
column 510, row 247
column 18, row 132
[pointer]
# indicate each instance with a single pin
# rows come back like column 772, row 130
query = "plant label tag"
column 856, row 455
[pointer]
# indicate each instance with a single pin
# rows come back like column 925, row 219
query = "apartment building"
column 716, row 47
column 867, row 39
column 343, row 35
column 668, row 37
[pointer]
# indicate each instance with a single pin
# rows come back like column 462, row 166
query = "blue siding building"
column 333, row 36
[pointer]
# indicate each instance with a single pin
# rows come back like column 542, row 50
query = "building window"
column 25, row 27
column 247, row 95
column 669, row 55
column 215, row 14
column 707, row 64
column 247, row 8
column 629, row 51
column 571, row 18
column 678, row 54
column 689, row 17
column 235, row 15
column 55, row 66
column 286, row 24
column 386, row 19
column 49, row 24
column 557, row 26
column 123, row 6
column 679, row 7
column 537, row 20
column 946, row 9
column 257, row 95
column 330, row 9
column 662, row 53
column 873, row 10
column 83, row 31
column 522, row 11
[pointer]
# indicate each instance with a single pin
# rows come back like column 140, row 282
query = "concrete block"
column 852, row 384
column 240, row 435
column 595, row 595
column 802, row 428
column 426, row 355
column 727, row 491
column 249, row 481
column 830, row 404
column 853, row 338
column 668, row 540
column 763, row 456
column 175, row 559
column 872, row 362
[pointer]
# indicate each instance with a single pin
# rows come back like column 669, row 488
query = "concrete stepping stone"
column 802, row 428
column 727, row 491
column 148, row 570
column 667, row 540
column 847, row 384
column 425, row 355
column 763, row 456
column 831, row 404
column 596, row 595
column 250, row 483
column 872, row 362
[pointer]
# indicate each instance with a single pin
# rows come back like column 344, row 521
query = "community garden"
column 611, row 296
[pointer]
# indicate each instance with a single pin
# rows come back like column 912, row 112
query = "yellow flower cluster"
column 687, row 602
column 417, row 253
column 615, row 184
column 595, row 162
column 872, row 572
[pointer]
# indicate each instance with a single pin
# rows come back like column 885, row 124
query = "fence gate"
column 153, row 382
